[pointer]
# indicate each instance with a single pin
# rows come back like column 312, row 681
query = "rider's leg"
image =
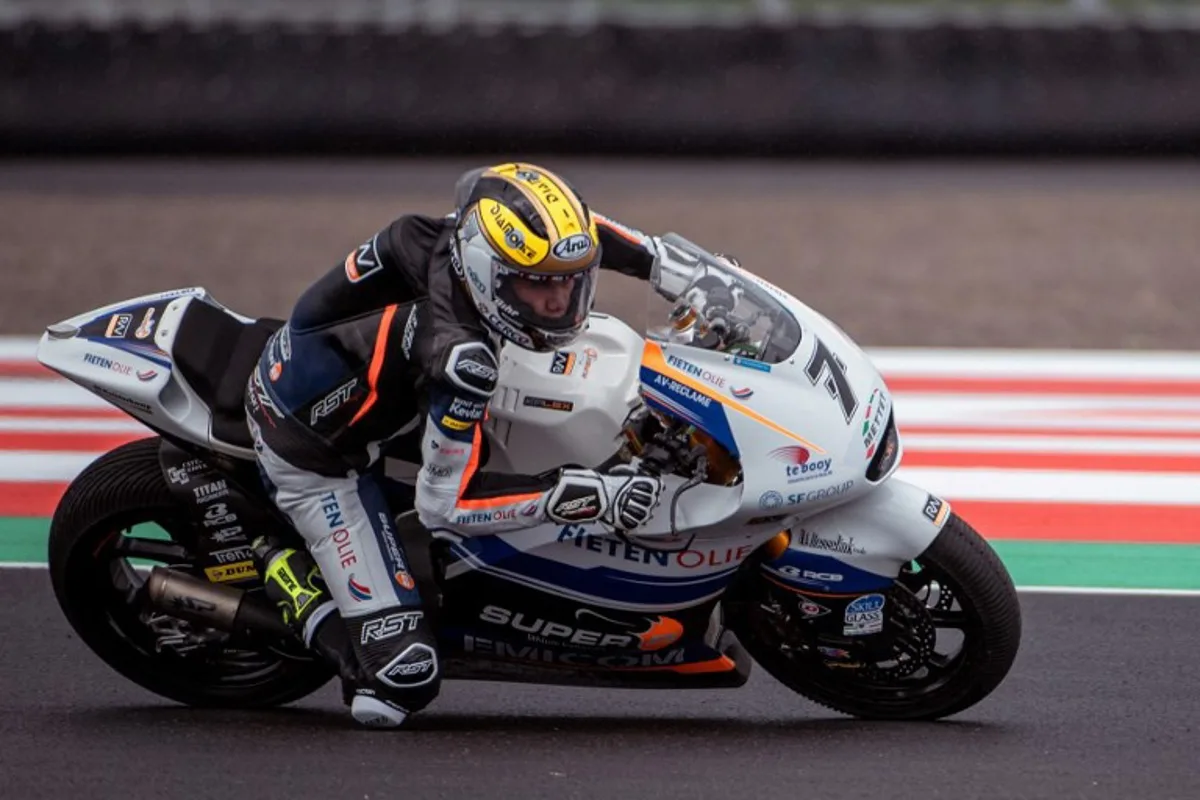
column 349, row 530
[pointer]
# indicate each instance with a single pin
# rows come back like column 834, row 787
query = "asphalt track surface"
column 1103, row 700
column 1102, row 703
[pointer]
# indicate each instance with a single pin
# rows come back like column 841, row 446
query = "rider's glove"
column 622, row 497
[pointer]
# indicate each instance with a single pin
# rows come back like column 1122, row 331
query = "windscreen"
column 704, row 301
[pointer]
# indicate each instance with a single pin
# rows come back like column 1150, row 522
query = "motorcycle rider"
column 398, row 346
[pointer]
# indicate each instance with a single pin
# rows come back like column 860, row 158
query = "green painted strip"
column 1117, row 566
column 23, row 539
column 1140, row 566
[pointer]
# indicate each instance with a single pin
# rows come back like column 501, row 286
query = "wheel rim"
column 933, row 629
column 103, row 567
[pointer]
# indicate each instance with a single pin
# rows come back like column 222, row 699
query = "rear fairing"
column 123, row 353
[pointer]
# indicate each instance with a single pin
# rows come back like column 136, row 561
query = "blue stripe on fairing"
column 710, row 419
column 853, row 579
column 492, row 555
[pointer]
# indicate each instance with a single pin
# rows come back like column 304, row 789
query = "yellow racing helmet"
column 526, row 248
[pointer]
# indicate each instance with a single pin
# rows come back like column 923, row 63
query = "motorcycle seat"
column 214, row 352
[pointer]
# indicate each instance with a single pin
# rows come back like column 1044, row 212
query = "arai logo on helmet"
column 573, row 247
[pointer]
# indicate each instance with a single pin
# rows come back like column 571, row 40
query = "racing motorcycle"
column 783, row 537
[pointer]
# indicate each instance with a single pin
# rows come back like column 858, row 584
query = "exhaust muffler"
column 213, row 605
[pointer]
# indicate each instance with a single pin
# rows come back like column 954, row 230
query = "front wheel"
column 953, row 631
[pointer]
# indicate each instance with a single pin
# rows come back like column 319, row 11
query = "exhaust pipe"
column 213, row 605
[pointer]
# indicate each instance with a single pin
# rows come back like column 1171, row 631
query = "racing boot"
column 294, row 583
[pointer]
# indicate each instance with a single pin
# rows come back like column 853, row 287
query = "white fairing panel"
column 565, row 407
column 122, row 352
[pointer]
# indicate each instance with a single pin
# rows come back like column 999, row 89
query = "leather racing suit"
column 387, row 350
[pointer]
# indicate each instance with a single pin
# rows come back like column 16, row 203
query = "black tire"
column 105, row 606
column 958, row 558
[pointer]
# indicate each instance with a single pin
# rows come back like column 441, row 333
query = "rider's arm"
column 451, row 491
column 390, row 267
column 453, row 494
column 624, row 249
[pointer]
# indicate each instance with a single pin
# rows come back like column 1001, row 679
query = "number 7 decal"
column 825, row 367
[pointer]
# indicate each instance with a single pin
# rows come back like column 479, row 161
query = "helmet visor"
column 552, row 303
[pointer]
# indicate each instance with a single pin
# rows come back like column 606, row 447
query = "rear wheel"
column 120, row 510
column 953, row 631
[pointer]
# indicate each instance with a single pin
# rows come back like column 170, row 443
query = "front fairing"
column 784, row 391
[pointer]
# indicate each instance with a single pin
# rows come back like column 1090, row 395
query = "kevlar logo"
column 363, row 262
column 563, row 363
column 470, row 410
column 416, row 666
column 231, row 572
column 376, row 630
column 118, row 326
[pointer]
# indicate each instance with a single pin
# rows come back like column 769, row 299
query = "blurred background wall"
column 738, row 77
